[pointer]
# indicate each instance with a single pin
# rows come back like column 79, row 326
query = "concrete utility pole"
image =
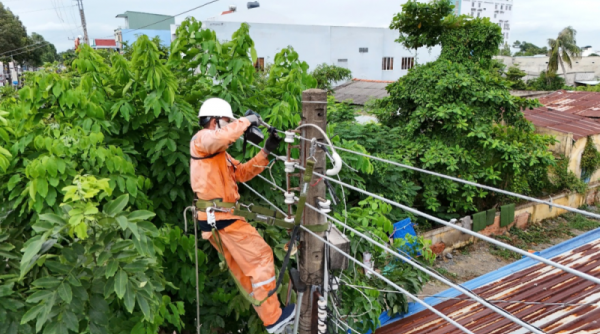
column 83, row 23
column 314, row 111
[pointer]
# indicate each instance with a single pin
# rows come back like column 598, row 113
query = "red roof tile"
column 105, row 42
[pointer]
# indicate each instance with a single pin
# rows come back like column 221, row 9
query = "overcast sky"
column 533, row 20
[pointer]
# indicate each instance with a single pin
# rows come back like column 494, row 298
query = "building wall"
column 138, row 20
column 584, row 67
column 131, row 35
column 498, row 11
column 329, row 44
column 575, row 157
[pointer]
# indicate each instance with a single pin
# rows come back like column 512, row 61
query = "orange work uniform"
column 248, row 256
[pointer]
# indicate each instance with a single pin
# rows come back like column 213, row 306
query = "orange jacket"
column 216, row 177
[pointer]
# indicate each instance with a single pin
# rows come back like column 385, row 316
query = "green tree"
column 505, row 51
column 515, row 75
column 563, row 50
column 13, row 34
column 456, row 116
column 528, row 49
column 326, row 75
column 39, row 53
column 547, row 81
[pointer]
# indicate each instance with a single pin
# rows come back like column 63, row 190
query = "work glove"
column 273, row 141
column 253, row 117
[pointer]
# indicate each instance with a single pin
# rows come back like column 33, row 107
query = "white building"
column 370, row 53
column 498, row 11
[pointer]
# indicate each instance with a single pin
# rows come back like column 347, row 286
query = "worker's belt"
column 258, row 214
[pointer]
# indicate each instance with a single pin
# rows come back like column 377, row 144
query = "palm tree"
column 563, row 50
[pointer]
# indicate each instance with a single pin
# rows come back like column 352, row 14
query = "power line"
column 24, row 47
column 378, row 275
column 464, row 230
column 383, row 278
column 40, row 10
column 170, row 17
column 449, row 224
column 29, row 50
column 470, row 183
column 415, row 264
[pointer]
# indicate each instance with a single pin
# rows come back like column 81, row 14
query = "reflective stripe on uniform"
column 258, row 285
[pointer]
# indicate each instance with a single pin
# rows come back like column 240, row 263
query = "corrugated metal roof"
column 360, row 91
column 539, row 283
column 563, row 122
column 579, row 103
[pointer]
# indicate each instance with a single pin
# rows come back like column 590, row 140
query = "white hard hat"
column 215, row 107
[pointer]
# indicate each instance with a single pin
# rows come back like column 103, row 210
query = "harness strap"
column 207, row 157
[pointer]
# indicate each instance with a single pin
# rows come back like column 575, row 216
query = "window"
column 343, row 63
column 479, row 14
column 387, row 64
column 501, row 7
column 495, row 15
column 363, row 50
column 473, row 4
column 408, row 63
column 473, row 12
column 480, row 5
column 496, row 6
column 260, row 64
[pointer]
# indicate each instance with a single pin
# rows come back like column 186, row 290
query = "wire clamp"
column 289, row 197
column 550, row 206
column 210, row 217
column 290, row 219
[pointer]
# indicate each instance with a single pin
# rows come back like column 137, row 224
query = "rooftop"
column 559, row 121
column 578, row 103
column 542, row 287
column 105, row 43
column 360, row 91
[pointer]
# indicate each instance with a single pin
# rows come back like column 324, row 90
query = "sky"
column 58, row 20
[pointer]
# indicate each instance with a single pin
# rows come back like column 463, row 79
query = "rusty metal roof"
column 538, row 283
column 360, row 91
column 579, row 103
column 579, row 126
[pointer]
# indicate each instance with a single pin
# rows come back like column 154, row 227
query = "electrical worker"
column 214, row 174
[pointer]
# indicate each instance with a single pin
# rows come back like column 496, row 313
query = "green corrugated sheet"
column 479, row 221
column 491, row 215
column 507, row 214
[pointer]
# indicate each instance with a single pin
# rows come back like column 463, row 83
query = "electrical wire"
column 439, row 277
column 29, row 50
column 23, row 47
column 470, row 183
column 383, row 278
column 464, row 230
column 394, row 285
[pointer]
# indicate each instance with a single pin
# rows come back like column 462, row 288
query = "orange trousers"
column 251, row 261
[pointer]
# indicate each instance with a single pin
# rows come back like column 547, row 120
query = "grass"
column 581, row 223
column 450, row 275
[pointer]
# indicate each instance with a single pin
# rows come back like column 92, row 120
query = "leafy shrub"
column 590, row 159
column 326, row 75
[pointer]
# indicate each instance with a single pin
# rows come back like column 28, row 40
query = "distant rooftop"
column 578, row 103
column 150, row 21
column 100, row 43
column 563, row 122
column 360, row 91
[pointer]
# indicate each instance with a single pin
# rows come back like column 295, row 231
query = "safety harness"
column 263, row 216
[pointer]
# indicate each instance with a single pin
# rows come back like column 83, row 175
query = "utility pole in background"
column 83, row 23
column 314, row 111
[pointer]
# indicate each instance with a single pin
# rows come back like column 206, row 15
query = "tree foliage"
column 94, row 178
column 326, row 75
column 528, row 49
column 454, row 116
column 563, row 50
